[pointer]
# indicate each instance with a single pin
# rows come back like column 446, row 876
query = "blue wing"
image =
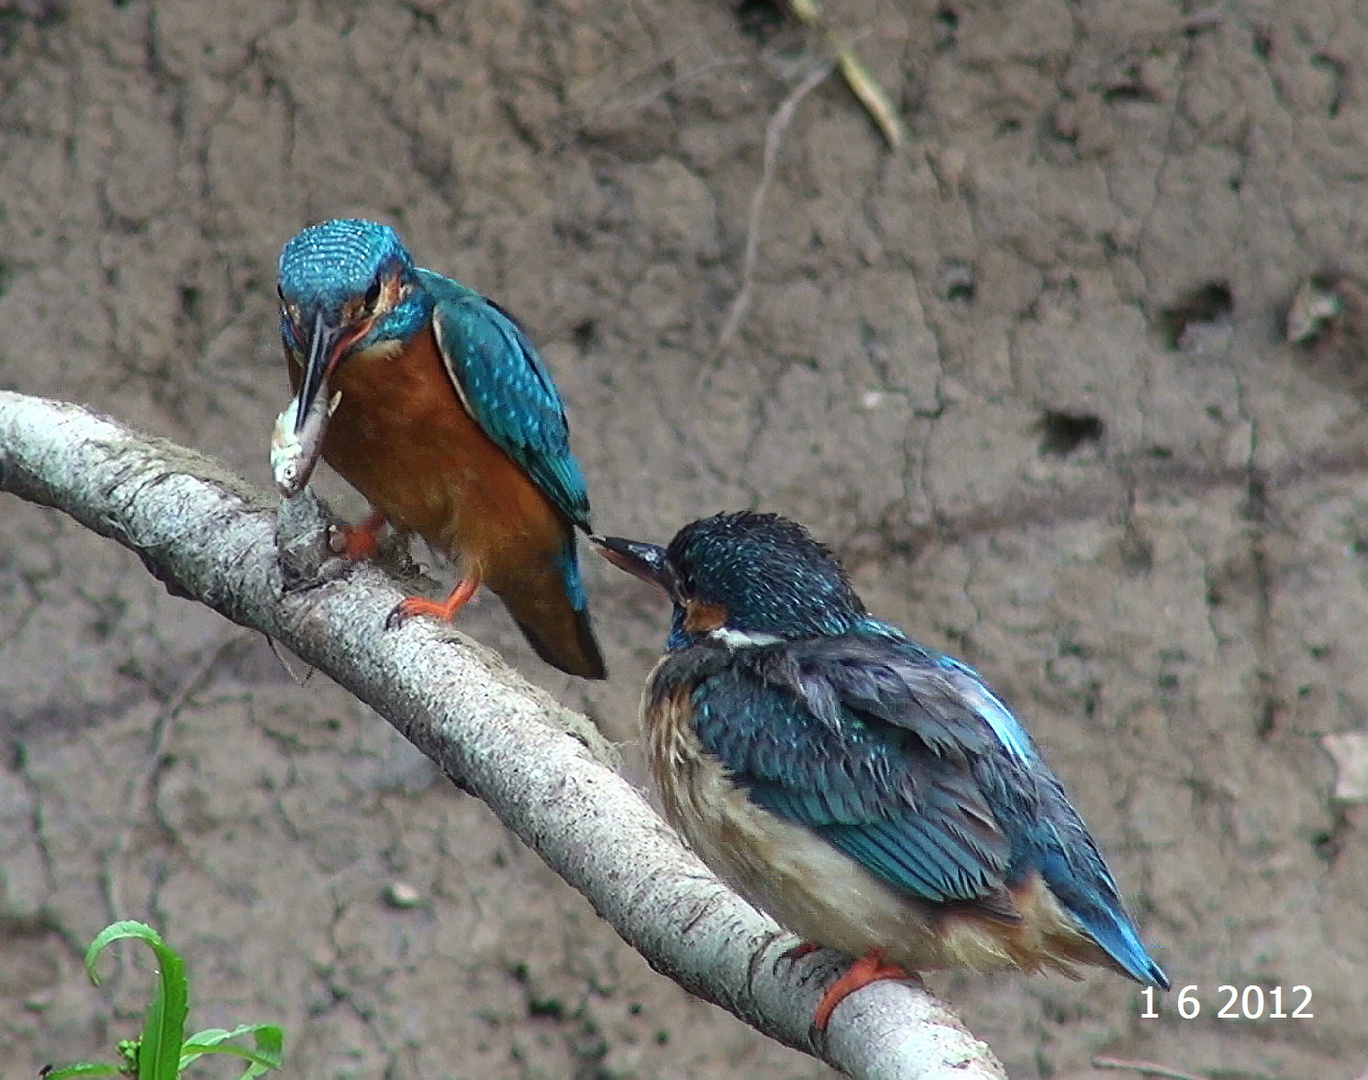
column 809, row 733
column 505, row 385
column 905, row 761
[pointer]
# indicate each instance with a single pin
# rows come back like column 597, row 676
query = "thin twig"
column 1149, row 1068
column 861, row 81
column 774, row 134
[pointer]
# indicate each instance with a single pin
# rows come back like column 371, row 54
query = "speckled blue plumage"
column 899, row 756
column 326, row 265
column 748, row 559
column 499, row 374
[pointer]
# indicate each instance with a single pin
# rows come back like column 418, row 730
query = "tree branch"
column 210, row 537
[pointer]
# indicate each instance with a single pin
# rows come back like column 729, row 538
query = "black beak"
column 646, row 561
column 322, row 347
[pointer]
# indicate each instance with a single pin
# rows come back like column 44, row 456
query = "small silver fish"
column 294, row 454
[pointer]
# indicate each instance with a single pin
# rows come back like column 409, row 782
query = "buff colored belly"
column 824, row 896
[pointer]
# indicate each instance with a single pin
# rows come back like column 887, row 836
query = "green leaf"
column 164, row 1025
column 128, row 1051
column 81, row 1068
column 270, row 1043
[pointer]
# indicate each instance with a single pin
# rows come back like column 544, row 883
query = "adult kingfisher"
column 872, row 795
column 433, row 403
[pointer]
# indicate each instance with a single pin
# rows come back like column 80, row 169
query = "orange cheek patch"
column 701, row 618
column 355, row 334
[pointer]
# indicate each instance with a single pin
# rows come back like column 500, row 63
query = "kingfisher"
column 432, row 402
column 874, row 796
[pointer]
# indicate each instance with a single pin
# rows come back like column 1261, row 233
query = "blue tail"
column 1114, row 931
column 1085, row 888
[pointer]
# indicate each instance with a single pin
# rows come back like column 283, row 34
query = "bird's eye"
column 373, row 295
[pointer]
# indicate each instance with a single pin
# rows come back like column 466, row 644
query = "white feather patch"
column 742, row 639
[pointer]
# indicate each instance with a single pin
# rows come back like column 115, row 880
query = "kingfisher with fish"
column 431, row 400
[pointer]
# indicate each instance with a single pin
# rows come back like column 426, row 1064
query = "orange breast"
column 402, row 437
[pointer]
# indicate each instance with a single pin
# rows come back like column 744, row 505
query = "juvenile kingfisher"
column 872, row 795
column 441, row 413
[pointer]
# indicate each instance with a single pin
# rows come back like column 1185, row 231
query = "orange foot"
column 438, row 609
column 869, row 968
column 358, row 542
column 802, row 949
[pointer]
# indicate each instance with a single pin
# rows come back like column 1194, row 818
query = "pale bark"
column 540, row 767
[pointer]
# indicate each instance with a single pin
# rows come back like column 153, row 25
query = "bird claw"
column 353, row 542
column 402, row 612
column 359, row 542
column 794, row 954
column 867, row 969
column 438, row 609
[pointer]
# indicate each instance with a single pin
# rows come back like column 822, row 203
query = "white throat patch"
column 381, row 350
column 742, row 639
